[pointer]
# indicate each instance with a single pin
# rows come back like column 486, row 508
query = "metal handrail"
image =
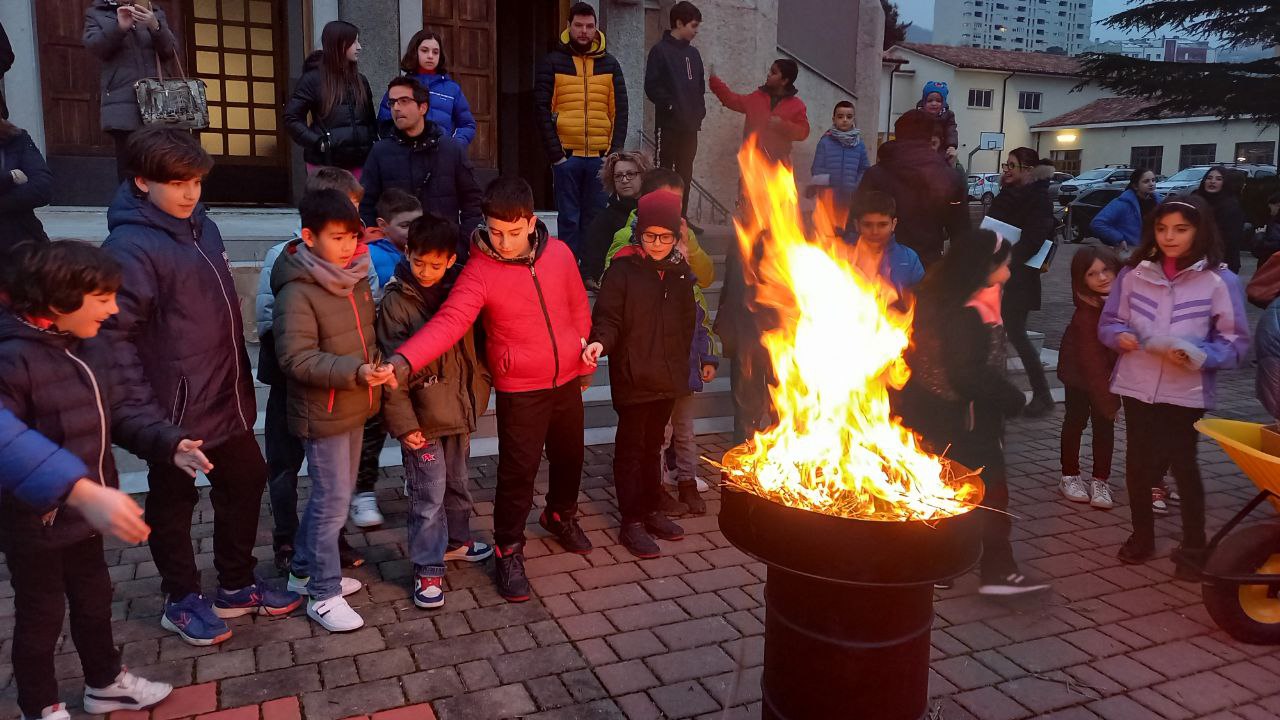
column 719, row 214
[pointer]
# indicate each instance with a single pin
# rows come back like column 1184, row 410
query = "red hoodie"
column 536, row 316
column 758, row 108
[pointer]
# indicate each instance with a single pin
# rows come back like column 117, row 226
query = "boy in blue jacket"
column 840, row 159
column 180, row 353
column 875, row 250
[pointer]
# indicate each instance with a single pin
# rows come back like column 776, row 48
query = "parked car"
column 1188, row 179
column 984, row 187
column 1079, row 213
column 1055, row 183
column 1090, row 179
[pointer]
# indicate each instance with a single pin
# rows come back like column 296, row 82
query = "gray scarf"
column 339, row 281
column 847, row 139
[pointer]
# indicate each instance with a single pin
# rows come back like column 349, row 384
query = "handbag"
column 173, row 102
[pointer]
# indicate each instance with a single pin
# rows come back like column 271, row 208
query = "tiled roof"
column 1111, row 110
column 1002, row 60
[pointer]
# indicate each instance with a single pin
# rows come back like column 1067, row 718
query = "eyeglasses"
column 656, row 239
column 625, row 176
column 1014, row 166
column 407, row 100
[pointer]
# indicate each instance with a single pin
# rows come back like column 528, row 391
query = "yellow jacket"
column 581, row 100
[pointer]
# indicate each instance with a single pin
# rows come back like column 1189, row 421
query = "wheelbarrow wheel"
column 1246, row 612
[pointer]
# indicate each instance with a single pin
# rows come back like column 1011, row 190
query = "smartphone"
column 143, row 4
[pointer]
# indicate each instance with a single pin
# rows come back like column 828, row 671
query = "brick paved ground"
column 609, row 636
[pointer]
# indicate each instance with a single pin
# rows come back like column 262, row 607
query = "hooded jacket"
column 1028, row 208
column 534, row 311
column 581, row 100
column 932, row 204
column 674, row 82
column 127, row 57
column 844, row 165
column 1119, row 224
column 435, row 169
column 61, row 387
column 18, row 202
column 448, row 109
column 1200, row 305
column 900, row 265
column 446, row 396
column 951, row 135
column 759, row 106
column 323, row 328
column 33, row 468
column 179, row 336
column 644, row 317
column 1084, row 362
column 350, row 127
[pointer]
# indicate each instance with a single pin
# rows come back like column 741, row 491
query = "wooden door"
column 469, row 29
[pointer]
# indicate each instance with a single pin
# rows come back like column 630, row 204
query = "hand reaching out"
column 189, row 459
column 108, row 511
column 591, row 354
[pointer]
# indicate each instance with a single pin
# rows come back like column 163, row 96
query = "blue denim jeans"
column 332, row 463
column 579, row 196
column 457, row 490
column 424, row 485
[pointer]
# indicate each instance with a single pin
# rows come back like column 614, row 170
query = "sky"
column 921, row 13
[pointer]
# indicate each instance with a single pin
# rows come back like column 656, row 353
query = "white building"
column 1026, row 25
column 1170, row 49
column 990, row 91
column 1115, row 130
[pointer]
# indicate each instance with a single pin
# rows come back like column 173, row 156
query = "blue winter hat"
column 935, row 86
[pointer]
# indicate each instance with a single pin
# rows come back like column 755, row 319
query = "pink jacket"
column 535, row 314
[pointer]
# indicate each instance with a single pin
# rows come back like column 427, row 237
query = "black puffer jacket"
column 127, row 57
column 18, row 202
column 350, row 127
column 644, row 318
column 1028, row 208
column 674, row 82
column 433, row 168
column 61, row 387
column 179, row 336
column 932, row 203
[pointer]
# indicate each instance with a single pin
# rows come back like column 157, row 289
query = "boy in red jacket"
column 774, row 111
column 525, row 287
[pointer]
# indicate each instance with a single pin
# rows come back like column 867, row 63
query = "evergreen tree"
column 1224, row 89
column 895, row 31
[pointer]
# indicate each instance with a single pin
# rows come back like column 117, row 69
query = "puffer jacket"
column 448, row 109
column 1267, row 344
column 61, row 387
column 127, row 57
column 581, row 101
column 323, row 334
column 446, row 396
column 534, row 312
column 179, row 336
column 703, row 350
column 900, row 266
column 933, row 205
column 19, row 202
column 435, row 169
column 350, row 127
column 1119, row 224
column 645, row 317
column 844, row 165
column 759, row 107
column 1200, row 305
column 32, row 467
column 674, row 82
column 1084, row 362
column 1028, row 208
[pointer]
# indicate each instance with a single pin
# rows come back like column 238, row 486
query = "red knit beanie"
column 660, row 208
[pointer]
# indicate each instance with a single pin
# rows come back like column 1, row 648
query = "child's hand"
column 108, row 511
column 1128, row 342
column 414, row 440
column 591, row 354
column 375, row 375
column 189, row 459
column 708, row 373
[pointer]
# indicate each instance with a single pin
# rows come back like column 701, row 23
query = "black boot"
column 659, row 526
column 688, row 490
column 635, row 539
column 512, row 583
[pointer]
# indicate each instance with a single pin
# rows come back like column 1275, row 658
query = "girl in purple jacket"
column 1176, row 317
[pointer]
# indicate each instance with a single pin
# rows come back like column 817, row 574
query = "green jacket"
column 323, row 327
column 448, row 395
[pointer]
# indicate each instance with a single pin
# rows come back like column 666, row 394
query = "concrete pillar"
column 868, row 72
column 379, row 23
column 623, row 22
column 410, row 21
column 322, row 11
column 22, row 82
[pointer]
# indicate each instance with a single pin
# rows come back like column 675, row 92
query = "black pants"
column 1158, row 437
column 121, row 138
column 43, row 583
column 1015, row 327
column 238, row 476
column 984, row 449
column 677, row 148
column 528, row 422
column 284, row 461
column 637, row 457
column 1080, row 412
column 375, row 436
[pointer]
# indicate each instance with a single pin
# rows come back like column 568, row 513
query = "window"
column 1029, row 101
column 1197, row 154
column 979, row 98
column 1068, row 161
column 1261, row 153
column 1147, row 156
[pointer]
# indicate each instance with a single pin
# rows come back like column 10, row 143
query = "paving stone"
column 682, row 700
column 187, row 701
column 411, row 712
column 1205, row 692
column 432, row 684
column 1043, row 695
column 977, row 635
column 660, row 612
column 580, row 627
column 282, row 709
column 515, row 667
column 360, row 698
column 989, row 703
column 1161, row 704
column 1044, row 654
column 595, row 710
column 547, row 632
column 638, row 706
column 638, row 643
column 609, row 576
column 1176, row 659
column 224, row 664
column 718, row 579
column 339, row 672
column 549, row 693
column 583, row 685
column 384, row 664
column 335, row 645
column 1165, row 626
column 736, row 688
column 478, row 675
column 452, row 651
column 505, row 615
column 605, row 598
column 409, row 632
column 704, row 604
column 965, row 672
column 689, row 664
column 596, row 652
column 626, row 677
column 256, row 688
column 666, row 588
column 692, row 633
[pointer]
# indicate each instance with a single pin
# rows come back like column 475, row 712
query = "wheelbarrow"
column 1240, row 580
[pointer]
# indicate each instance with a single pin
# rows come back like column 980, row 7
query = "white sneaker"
column 364, row 510
column 128, row 692
column 1100, row 495
column 53, row 712
column 1012, row 584
column 669, row 478
column 299, row 585
column 1074, row 488
column 335, row 615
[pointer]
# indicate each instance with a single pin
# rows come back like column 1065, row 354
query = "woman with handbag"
column 338, row 101
column 132, row 39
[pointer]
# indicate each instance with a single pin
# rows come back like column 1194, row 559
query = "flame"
column 835, row 351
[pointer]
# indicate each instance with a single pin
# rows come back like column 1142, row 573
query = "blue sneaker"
column 257, row 599
column 474, row 551
column 428, row 592
column 194, row 621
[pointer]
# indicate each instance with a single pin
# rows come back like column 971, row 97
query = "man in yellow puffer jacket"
column 581, row 99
